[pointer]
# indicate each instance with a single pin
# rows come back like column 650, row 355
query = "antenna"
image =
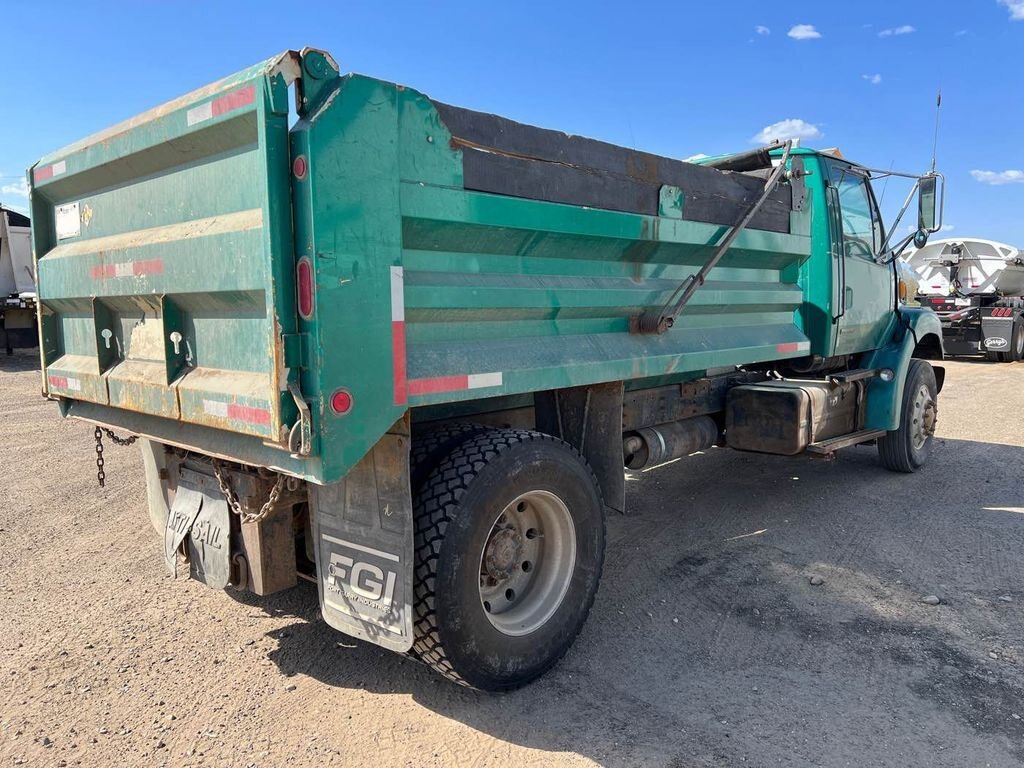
column 935, row 142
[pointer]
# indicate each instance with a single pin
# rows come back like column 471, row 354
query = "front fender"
column 917, row 327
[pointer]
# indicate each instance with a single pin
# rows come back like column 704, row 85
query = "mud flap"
column 201, row 515
column 363, row 529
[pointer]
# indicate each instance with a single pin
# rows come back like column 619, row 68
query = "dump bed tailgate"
column 165, row 259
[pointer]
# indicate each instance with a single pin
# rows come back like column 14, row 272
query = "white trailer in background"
column 17, row 283
column 977, row 289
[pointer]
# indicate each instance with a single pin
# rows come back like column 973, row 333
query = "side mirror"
column 929, row 203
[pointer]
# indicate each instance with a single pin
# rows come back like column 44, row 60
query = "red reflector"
column 341, row 402
column 299, row 167
column 304, row 282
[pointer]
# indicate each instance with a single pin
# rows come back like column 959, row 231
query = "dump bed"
column 164, row 247
column 16, row 276
column 442, row 259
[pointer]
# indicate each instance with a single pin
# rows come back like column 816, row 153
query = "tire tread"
column 894, row 447
column 434, row 507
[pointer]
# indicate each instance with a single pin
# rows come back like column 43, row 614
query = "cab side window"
column 862, row 227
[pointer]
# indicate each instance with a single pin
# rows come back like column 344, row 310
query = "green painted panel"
column 164, row 256
column 425, row 294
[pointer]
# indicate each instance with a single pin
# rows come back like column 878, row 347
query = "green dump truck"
column 406, row 350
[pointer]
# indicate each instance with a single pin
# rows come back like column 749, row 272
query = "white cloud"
column 18, row 189
column 960, row 33
column 997, row 178
column 761, row 29
column 695, row 158
column 906, row 29
column 806, row 32
column 873, row 79
column 792, row 128
column 1015, row 7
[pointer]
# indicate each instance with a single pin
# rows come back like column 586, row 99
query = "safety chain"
column 101, row 476
column 232, row 498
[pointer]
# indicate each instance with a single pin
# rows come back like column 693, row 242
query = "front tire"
column 906, row 449
column 509, row 549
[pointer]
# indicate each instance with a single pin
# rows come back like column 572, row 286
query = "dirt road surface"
column 708, row 645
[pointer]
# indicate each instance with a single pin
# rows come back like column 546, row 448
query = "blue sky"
column 674, row 78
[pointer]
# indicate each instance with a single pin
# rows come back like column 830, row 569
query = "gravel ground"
column 708, row 644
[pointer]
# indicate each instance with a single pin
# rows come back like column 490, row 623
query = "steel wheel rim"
column 922, row 417
column 527, row 563
column 1020, row 343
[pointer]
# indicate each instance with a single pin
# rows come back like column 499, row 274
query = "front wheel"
column 509, row 548
column 906, row 449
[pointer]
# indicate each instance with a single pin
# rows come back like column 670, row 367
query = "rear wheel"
column 1016, row 351
column 906, row 449
column 430, row 446
column 509, row 548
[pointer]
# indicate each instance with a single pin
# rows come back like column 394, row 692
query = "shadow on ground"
column 708, row 645
column 22, row 360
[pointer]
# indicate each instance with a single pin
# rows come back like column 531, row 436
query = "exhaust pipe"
column 651, row 446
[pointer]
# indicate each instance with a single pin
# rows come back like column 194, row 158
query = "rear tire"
column 509, row 549
column 433, row 444
column 1016, row 351
column 906, row 449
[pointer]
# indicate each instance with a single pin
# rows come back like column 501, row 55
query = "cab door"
column 864, row 289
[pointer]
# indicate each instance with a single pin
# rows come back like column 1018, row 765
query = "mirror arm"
column 890, row 257
column 899, row 218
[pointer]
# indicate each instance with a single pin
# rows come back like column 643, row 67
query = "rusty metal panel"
column 164, row 250
column 269, row 549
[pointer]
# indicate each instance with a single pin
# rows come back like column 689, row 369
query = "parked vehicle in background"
column 17, row 283
column 977, row 289
column 407, row 349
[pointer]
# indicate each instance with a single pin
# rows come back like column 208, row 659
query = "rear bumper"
column 18, row 325
column 209, row 441
column 962, row 339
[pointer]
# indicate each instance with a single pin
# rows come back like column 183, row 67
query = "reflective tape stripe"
column 65, row 382
column 48, row 171
column 248, row 414
column 221, row 105
column 127, row 269
column 398, row 371
column 454, row 383
column 215, row 408
column 237, row 412
column 478, row 380
column 794, row 346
